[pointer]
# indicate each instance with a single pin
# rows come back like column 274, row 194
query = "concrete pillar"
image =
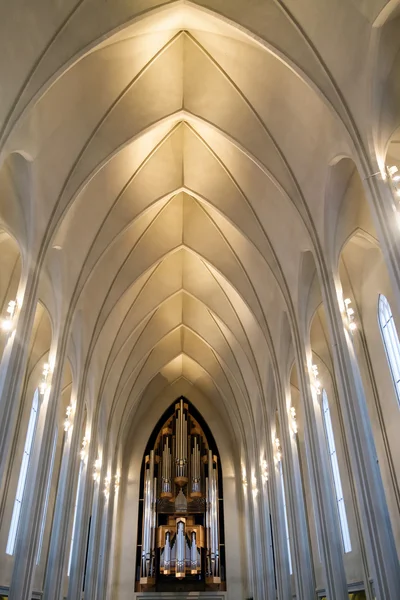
column 376, row 527
column 283, row 578
column 303, row 569
column 35, row 491
column 59, row 546
column 265, row 534
column 106, row 535
column 94, row 541
column 258, row 563
column 13, row 367
column 84, row 508
column 324, row 504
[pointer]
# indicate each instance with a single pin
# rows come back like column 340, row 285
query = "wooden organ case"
column 180, row 541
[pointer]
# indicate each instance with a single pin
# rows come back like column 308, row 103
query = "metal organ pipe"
column 193, row 553
column 195, row 466
column 180, row 550
column 212, row 513
column 149, row 520
column 183, row 459
column 166, row 467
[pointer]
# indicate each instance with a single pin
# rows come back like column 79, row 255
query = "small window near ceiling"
column 390, row 341
column 30, row 436
column 344, row 527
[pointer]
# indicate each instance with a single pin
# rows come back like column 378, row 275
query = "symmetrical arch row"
column 163, row 234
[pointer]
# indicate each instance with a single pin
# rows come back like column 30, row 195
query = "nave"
column 200, row 299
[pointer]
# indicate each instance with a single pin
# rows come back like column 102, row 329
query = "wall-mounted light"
column 350, row 314
column 254, row 488
column 394, row 177
column 44, row 384
column 264, row 471
column 7, row 322
column 316, row 381
column 83, row 452
column 96, row 469
column 293, row 419
column 68, row 418
column 244, row 477
column 278, row 450
column 117, row 482
column 107, row 483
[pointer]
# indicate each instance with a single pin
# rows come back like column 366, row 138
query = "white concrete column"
column 13, row 367
column 270, row 523
column 94, row 541
column 35, row 491
column 302, row 563
column 377, row 532
column 251, row 583
column 59, row 546
column 88, row 488
column 282, row 570
column 387, row 224
column 105, row 534
column 262, row 511
column 106, row 544
column 256, row 549
column 278, row 540
column 328, row 529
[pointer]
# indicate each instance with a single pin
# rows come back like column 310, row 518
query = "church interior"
column 200, row 300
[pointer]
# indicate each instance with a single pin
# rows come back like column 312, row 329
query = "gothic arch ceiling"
column 179, row 161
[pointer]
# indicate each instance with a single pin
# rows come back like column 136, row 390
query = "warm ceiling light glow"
column 96, row 469
column 350, row 315
column 83, row 452
column 294, row 419
column 254, row 485
column 44, row 385
column 107, row 482
column 244, row 477
column 264, row 471
column 68, row 419
column 315, row 374
column 7, row 322
column 278, row 450
column 6, row 325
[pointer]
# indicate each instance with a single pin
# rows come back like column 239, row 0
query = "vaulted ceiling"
column 176, row 157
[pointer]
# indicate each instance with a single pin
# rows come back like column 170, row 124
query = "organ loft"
column 180, row 540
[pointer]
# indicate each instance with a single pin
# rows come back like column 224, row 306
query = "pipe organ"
column 181, row 506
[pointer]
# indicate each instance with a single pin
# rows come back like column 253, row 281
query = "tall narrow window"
column 46, row 502
column 286, row 519
column 390, row 341
column 78, row 487
column 30, row 435
column 335, row 472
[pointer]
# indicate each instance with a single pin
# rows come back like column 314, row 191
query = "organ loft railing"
column 180, row 525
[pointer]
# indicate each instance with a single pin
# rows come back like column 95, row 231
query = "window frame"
column 391, row 342
column 23, row 474
column 74, row 522
column 286, row 518
column 335, row 473
column 47, row 497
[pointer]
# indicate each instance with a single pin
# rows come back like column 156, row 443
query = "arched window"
column 30, row 435
column 46, row 502
column 286, row 519
column 335, row 473
column 390, row 341
column 78, row 490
